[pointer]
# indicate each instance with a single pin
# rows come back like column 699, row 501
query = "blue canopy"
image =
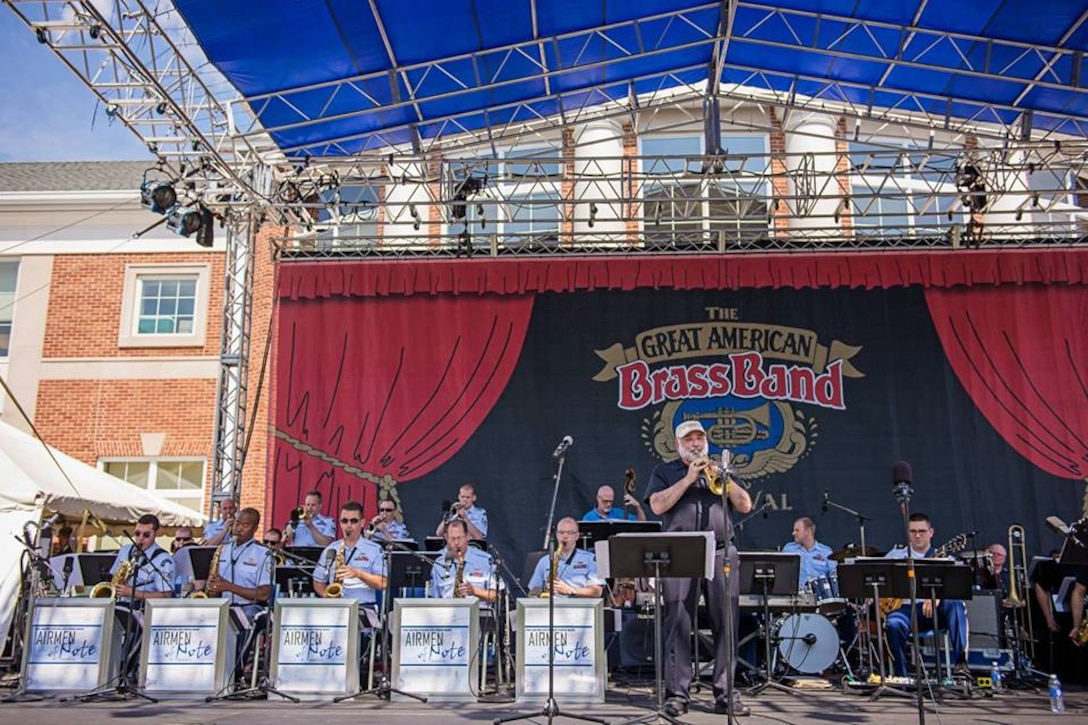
column 333, row 77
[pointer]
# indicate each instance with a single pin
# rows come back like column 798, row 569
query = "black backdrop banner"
column 813, row 389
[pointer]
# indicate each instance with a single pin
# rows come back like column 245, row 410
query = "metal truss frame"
column 1018, row 195
column 150, row 74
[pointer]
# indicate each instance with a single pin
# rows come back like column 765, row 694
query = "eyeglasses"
column 270, row 542
column 387, row 511
column 349, row 521
column 143, row 534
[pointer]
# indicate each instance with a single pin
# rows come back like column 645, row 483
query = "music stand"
column 766, row 574
column 434, row 543
column 943, row 579
column 95, row 568
column 311, row 554
column 668, row 555
column 590, row 532
column 875, row 577
column 403, row 568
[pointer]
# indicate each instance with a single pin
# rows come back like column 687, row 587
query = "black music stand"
column 95, row 568
column 668, row 555
column 311, row 554
column 590, row 532
column 766, row 574
column 867, row 577
column 942, row 579
column 403, row 568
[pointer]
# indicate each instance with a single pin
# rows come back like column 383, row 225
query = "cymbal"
column 852, row 551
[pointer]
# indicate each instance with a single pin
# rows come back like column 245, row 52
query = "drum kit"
column 807, row 636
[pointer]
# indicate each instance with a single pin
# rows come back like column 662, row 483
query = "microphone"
column 901, row 482
column 66, row 571
column 563, row 446
column 827, row 496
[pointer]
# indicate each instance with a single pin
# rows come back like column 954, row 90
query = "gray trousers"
column 679, row 599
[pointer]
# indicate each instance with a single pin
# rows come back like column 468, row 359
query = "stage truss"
column 398, row 190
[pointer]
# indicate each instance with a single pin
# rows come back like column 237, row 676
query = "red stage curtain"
column 872, row 270
column 379, row 391
column 1022, row 355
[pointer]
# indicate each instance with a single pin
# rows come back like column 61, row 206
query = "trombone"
column 1019, row 590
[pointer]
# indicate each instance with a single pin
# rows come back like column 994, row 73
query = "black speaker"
column 984, row 620
column 632, row 645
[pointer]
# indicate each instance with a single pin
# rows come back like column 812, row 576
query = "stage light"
column 415, row 216
column 592, row 214
column 184, row 221
column 158, row 196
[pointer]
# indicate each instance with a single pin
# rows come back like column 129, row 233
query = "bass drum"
column 807, row 642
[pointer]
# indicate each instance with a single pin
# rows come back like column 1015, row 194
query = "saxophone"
column 459, row 575
column 335, row 590
column 213, row 574
column 108, row 590
column 553, row 572
column 1081, row 636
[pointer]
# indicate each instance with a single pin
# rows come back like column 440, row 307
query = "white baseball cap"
column 688, row 426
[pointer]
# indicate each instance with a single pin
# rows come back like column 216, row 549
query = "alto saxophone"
column 459, row 576
column 108, row 590
column 213, row 574
column 335, row 590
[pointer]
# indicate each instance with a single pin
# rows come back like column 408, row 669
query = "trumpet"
column 455, row 508
column 717, row 476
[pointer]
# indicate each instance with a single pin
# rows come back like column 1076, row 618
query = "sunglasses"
column 387, row 511
column 183, row 538
column 350, row 521
column 270, row 542
column 143, row 534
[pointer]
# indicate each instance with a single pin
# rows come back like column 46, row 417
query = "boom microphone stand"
column 124, row 689
column 31, row 578
column 551, row 707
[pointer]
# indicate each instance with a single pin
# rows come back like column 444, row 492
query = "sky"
column 46, row 112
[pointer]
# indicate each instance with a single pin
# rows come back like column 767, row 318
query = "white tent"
column 33, row 484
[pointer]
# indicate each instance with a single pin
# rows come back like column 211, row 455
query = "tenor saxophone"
column 335, row 590
column 108, row 590
column 213, row 574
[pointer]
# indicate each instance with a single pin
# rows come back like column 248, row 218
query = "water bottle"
column 995, row 678
column 1057, row 702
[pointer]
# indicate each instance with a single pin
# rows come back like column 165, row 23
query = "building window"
column 164, row 306
column 689, row 205
column 9, row 275
column 180, row 481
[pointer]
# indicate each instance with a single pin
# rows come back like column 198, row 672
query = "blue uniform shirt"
column 478, row 517
column 579, row 569
column 303, row 536
column 364, row 556
column 246, row 565
column 397, row 532
column 479, row 571
column 157, row 578
column 815, row 562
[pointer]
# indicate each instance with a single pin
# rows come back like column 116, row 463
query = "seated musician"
column 816, row 559
column 462, row 570
column 951, row 614
column 150, row 567
column 311, row 529
column 575, row 569
column 356, row 564
column 385, row 527
column 605, row 510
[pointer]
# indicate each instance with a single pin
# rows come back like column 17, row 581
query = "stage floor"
column 1012, row 708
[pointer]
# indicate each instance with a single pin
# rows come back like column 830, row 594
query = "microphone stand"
column 739, row 526
column 560, row 461
column 124, row 689
column 865, row 650
column 903, row 493
column 31, row 574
